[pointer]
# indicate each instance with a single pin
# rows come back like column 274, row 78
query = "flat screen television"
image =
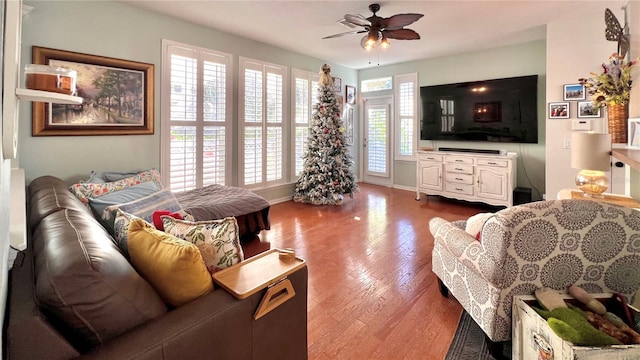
column 497, row 110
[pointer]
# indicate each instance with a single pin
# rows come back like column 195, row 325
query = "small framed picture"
column 351, row 94
column 587, row 110
column 558, row 110
column 634, row 133
column 574, row 92
column 337, row 85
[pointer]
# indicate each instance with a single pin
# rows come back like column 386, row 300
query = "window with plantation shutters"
column 196, row 117
column 406, row 95
column 262, row 103
column 305, row 87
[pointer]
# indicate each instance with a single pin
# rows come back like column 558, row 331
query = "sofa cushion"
column 83, row 283
column 174, row 266
column 50, row 194
column 121, row 230
column 85, row 191
column 145, row 207
column 217, row 240
column 94, row 177
column 126, row 195
column 109, row 176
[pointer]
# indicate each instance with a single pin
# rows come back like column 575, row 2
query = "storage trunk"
column 534, row 339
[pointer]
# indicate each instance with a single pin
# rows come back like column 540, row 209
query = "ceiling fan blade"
column 402, row 34
column 357, row 20
column 345, row 33
column 398, row 21
column 363, row 41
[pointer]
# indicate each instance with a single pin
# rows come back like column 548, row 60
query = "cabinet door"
column 430, row 175
column 492, row 183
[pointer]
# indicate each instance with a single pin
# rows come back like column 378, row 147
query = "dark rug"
column 468, row 342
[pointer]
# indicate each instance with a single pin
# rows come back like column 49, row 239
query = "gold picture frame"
column 118, row 97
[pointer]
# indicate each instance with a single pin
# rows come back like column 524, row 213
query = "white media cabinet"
column 487, row 178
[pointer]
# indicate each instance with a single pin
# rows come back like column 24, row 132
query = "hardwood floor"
column 372, row 294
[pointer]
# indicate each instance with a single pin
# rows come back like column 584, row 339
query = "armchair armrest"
column 467, row 249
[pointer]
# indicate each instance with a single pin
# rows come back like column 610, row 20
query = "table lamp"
column 591, row 154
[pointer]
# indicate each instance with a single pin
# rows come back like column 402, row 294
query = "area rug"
column 468, row 342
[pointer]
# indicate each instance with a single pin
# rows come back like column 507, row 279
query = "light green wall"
column 112, row 29
column 517, row 60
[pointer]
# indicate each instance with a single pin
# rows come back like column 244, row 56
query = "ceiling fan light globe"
column 370, row 42
column 384, row 43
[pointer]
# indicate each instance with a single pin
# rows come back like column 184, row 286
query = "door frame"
column 386, row 95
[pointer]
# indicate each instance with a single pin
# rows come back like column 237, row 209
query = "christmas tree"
column 327, row 172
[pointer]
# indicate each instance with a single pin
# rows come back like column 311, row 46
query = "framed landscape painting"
column 117, row 96
column 587, row 110
column 574, row 92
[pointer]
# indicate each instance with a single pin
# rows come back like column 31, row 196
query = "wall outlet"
column 566, row 143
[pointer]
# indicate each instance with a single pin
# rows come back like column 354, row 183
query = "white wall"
column 576, row 46
column 113, row 29
column 634, row 106
column 516, row 60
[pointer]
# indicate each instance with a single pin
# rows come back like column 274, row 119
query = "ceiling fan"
column 379, row 29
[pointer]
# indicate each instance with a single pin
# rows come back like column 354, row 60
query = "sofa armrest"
column 217, row 325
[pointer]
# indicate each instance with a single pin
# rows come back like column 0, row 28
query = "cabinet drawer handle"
column 491, row 163
column 458, row 178
column 459, row 169
column 459, row 189
column 458, row 160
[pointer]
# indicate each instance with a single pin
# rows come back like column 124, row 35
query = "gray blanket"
column 217, row 202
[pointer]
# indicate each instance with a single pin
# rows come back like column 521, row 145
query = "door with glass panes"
column 377, row 142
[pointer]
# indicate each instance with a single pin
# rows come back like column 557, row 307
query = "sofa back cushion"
column 48, row 194
column 82, row 281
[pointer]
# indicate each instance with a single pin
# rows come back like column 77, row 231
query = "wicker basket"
column 617, row 117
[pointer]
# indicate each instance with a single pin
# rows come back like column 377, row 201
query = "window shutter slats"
column 198, row 92
column 263, row 122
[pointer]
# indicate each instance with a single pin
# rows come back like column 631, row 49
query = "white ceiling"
column 448, row 27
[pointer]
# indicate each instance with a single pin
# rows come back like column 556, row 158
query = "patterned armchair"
column 552, row 244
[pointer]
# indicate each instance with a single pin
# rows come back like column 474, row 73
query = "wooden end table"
column 606, row 198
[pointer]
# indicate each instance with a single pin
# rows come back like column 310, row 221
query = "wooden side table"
column 606, row 198
column 267, row 270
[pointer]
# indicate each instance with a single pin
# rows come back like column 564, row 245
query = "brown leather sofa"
column 74, row 295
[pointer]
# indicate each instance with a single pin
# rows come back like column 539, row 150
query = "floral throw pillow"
column 217, row 240
column 85, row 191
column 121, row 230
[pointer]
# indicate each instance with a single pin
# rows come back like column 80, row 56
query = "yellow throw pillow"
column 174, row 267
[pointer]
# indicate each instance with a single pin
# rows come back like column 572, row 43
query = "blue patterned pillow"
column 126, row 195
column 145, row 207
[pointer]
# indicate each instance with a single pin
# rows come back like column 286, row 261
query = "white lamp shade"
column 591, row 151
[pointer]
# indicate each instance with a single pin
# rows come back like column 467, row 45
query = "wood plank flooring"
column 372, row 294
